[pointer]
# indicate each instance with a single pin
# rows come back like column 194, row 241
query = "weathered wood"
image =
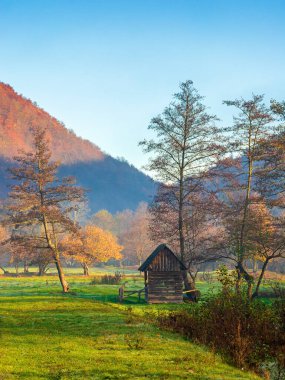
column 121, row 293
column 126, row 293
column 164, row 261
column 163, row 276
column 169, row 274
column 163, row 294
column 170, row 296
column 165, row 286
column 165, row 299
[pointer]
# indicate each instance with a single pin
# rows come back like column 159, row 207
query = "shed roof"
column 151, row 257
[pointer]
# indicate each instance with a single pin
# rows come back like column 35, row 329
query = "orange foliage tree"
column 91, row 245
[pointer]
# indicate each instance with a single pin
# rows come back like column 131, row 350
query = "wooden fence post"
column 121, row 293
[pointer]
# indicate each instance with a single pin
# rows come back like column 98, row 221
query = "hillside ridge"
column 112, row 184
column 18, row 114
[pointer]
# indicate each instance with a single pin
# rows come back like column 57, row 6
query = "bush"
column 249, row 333
column 135, row 341
column 109, row 279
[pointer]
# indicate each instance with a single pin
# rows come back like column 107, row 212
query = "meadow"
column 87, row 334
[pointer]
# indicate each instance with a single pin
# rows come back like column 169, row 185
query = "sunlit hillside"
column 112, row 184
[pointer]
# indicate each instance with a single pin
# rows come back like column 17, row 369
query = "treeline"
column 121, row 239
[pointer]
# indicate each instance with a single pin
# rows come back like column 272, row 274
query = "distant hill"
column 113, row 184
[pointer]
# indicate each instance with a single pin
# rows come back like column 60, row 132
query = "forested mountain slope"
column 111, row 183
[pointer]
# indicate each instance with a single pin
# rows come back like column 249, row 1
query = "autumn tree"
column 91, row 245
column 103, row 219
column 120, row 225
column 237, row 192
column 41, row 200
column 265, row 238
column 136, row 238
column 19, row 255
column 186, row 144
column 270, row 179
column 28, row 254
column 41, row 258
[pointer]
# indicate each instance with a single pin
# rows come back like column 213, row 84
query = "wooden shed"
column 163, row 276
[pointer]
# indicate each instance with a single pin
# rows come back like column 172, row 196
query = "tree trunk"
column 254, row 265
column 241, row 252
column 181, row 221
column 242, row 273
column 189, row 287
column 64, row 284
column 4, row 270
column 188, row 284
column 192, row 275
column 239, row 280
column 42, row 269
column 17, row 269
column 26, row 267
column 181, row 192
column 85, row 269
column 256, row 291
column 249, row 290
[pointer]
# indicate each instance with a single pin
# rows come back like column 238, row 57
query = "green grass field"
column 88, row 335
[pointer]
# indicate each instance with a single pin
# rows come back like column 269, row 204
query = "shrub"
column 95, row 280
column 135, row 341
column 249, row 333
column 112, row 279
column 109, row 279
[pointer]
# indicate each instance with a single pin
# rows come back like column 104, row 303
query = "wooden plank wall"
column 164, row 287
column 165, row 261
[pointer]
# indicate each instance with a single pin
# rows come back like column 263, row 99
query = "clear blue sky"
column 105, row 68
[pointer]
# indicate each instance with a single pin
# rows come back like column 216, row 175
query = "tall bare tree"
column 186, row 144
column 251, row 127
column 40, row 199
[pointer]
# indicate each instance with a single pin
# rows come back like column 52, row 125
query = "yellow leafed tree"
column 91, row 246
